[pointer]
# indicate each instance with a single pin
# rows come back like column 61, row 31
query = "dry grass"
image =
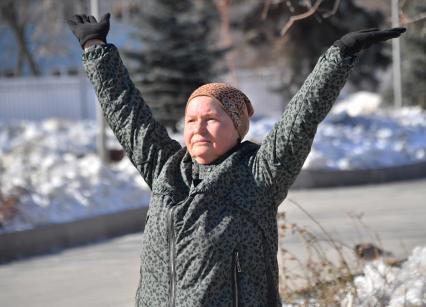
column 9, row 204
column 8, row 208
column 324, row 274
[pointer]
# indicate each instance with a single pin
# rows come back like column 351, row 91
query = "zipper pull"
column 238, row 263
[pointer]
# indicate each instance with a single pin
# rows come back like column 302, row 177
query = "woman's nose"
column 200, row 126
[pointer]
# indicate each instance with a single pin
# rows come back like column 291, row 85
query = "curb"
column 309, row 179
column 54, row 237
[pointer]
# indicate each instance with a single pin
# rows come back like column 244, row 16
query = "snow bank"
column 358, row 135
column 52, row 165
column 382, row 285
column 358, row 104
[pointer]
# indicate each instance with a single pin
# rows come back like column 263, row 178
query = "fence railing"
column 73, row 97
column 66, row 97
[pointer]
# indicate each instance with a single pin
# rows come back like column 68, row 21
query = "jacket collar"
column 202, row 171
column 180, row 181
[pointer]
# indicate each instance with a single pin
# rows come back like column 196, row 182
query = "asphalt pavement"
column 106, row 273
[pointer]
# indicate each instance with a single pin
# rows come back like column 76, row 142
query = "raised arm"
column 284, row 150
column 145, row 141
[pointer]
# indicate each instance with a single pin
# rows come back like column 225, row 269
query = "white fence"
column 46, row 97
column 74, row 98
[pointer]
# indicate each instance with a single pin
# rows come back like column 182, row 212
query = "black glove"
column 86, row 28
column 354, row 42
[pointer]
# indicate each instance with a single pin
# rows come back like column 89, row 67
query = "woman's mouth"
column 201, row 142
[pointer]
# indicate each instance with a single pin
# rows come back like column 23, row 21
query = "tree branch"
column 295, row 18
column 333, row 11
column 406, row 21
column 266, row 9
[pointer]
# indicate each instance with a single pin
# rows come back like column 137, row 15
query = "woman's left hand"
column 354, row 42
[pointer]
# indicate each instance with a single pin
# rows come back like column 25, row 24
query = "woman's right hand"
column 88, row 31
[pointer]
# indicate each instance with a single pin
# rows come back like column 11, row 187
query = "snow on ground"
column 358, row 135
column 53, row 167
column 382, row 285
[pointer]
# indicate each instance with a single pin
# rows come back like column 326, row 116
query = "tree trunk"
column 19, row 64
column 10, row 15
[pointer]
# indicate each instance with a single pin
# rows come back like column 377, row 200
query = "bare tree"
column 38, row 27
column 288, row 36
column 312, row 8
column 14, row 15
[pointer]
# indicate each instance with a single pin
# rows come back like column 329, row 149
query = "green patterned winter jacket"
column 211, row 233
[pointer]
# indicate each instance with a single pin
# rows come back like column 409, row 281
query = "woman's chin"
column 203, row 157
column 201, row 149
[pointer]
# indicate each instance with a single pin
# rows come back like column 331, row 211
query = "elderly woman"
column 211, row 234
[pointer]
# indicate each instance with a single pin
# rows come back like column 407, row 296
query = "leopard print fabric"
column 211, row 233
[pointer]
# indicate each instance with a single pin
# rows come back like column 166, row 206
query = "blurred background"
column 60, row 163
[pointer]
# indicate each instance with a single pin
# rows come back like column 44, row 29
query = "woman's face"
column 209, row 132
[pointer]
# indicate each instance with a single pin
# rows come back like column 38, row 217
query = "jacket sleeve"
column 284, row 150
column 145, row 141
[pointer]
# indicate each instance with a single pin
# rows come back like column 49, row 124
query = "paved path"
column 394, row 213
column 106, row 274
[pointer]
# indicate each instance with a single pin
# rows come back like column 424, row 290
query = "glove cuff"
column 345, row 51
column 91, row 36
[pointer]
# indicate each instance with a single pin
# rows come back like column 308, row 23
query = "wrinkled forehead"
column 203, row 105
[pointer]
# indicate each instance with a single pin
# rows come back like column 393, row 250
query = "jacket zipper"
column 172, row 252
column 236, row 284
column 172, row 269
